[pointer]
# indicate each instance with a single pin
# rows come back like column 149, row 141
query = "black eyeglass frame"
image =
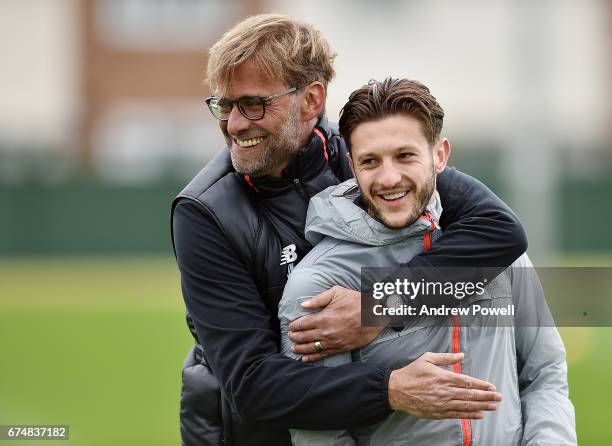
column 262, row 99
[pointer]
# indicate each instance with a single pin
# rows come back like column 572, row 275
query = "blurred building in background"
column 102, row 119
column 113, row 87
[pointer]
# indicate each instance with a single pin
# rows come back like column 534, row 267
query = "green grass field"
column 98, row 343
column 94, row 343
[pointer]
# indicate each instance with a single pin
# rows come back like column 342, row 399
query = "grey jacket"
column 526, row 364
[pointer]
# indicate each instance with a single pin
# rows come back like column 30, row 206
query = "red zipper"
column 429, row 218
column 427, row 237
column 466, row 426
column 317, row 132
column 247, row 178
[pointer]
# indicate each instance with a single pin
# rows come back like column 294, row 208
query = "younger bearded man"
column 390, row 211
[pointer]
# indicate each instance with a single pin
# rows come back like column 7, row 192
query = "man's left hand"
column 337, row 327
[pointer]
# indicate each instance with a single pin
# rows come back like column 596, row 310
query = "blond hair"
column 284, row 49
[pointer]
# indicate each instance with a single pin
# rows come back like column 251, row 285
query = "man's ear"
column 441, row 152
column 313, row 101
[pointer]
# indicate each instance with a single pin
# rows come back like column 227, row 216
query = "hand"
column 337, row 327
column 426, row 390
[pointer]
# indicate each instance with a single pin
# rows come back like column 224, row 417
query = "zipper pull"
column 431, row 219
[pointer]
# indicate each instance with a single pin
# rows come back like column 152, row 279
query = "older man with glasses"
column 238, row 231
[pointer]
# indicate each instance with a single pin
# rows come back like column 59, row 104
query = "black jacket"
column 229, row 233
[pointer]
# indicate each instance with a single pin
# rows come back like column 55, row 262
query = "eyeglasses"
column 251, row 107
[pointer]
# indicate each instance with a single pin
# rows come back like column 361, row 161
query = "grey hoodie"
column 526, row 364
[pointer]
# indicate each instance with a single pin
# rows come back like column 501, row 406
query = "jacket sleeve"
column 548, row 414
column 479, row 229
column 303, row 284
column 242, row 346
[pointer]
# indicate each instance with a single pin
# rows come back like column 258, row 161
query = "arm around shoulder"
column 480, row 230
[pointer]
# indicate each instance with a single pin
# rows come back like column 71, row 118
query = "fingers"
column 464, row 415
column 465, row 409
column 426, row 390
column 477, row 395
column 465, row 406
column 310, row 353
column 319, row 356
column 313, row 358
column 305, row 340
column 309, row 322
column 320, row 300
column 467, row 382
column 443, row 358
column 457, row 379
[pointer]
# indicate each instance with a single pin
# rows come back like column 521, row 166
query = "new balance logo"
column 288, row 255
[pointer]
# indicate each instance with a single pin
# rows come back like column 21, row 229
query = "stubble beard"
column 422, row 199
column 279, row 149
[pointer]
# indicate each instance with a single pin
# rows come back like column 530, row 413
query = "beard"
column 279, row 147
column 422, row 196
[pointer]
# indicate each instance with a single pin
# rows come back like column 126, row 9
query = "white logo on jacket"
column 288, row 255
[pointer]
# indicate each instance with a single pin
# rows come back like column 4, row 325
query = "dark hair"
column 378, row 100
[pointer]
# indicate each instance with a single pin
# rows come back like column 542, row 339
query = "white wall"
column 470, row 55
column 39, row 84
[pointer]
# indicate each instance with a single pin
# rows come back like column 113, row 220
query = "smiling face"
column 395, row 168
column 263, row 147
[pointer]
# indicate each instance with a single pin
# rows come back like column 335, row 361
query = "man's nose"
column 389, row 176
column 236, row 122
